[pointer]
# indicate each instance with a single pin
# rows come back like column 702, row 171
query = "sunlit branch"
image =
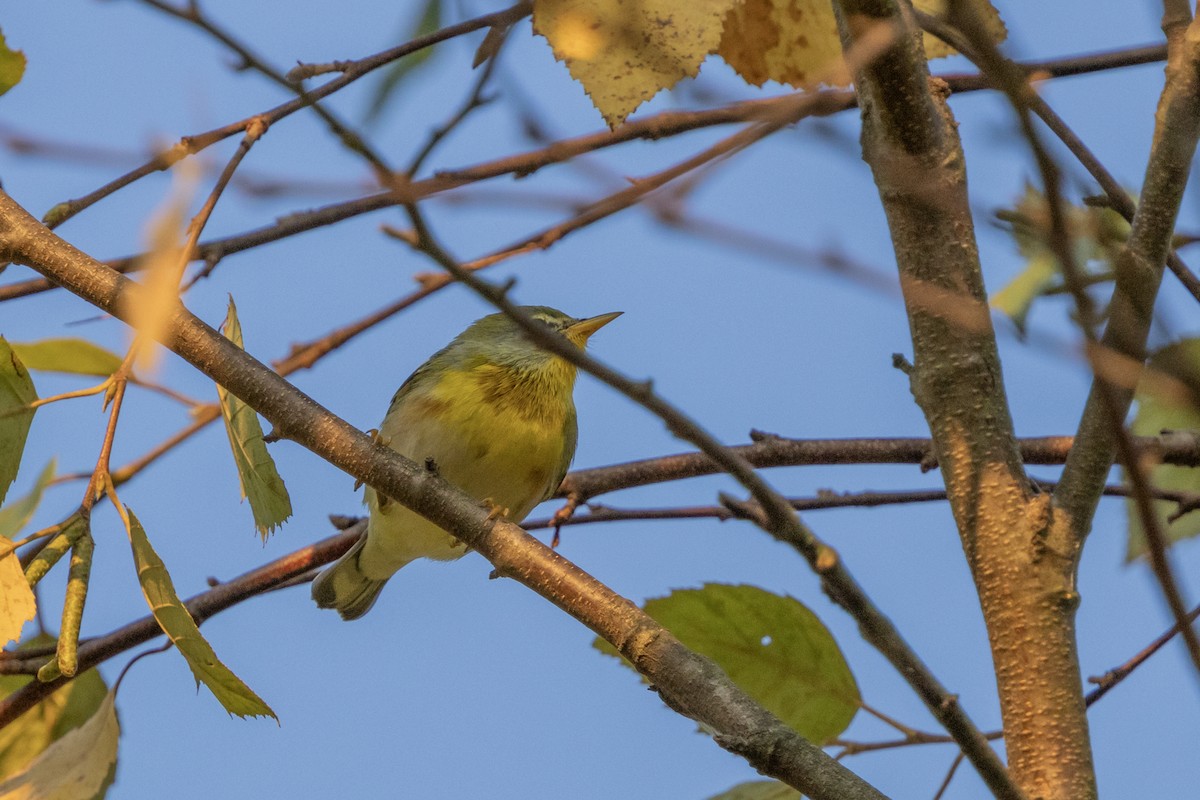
column 778, row 518
column 1139, row 269
column 687, row 682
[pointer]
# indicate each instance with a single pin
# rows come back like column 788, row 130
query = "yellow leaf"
column 77, row 356
column 796, row 41
column 16, row 599
column 76, row 767
column 1168, row 399
column 12, row 66
column 163, row 266
column 625, row 51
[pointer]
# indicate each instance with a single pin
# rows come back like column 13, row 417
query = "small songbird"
column 493, row 413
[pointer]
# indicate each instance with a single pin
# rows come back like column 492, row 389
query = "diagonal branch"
column 777, row 518
column 687, row 682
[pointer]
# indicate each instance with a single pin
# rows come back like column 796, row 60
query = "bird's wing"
column 409, row 384
column 570, row 438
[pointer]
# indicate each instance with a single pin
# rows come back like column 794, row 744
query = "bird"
column 492, row 413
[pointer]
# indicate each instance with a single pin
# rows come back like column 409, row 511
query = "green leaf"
column 261, row 483
column 12, row 66
column 771, row 646
column 1167, row 399
column 16, row 391
column 181, row 629
column 16, row 515
column 81, row 764
column 65, row 709
column 1096, row 234
column 759, row 790
column 76, row 356
column 385, row 90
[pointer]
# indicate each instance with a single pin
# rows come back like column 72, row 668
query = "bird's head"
column 500, row 339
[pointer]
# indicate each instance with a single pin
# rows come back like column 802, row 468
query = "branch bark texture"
column 1027, row 593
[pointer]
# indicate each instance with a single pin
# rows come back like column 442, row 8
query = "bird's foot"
column 377, row 438
column 494, row 511
column 562, row 516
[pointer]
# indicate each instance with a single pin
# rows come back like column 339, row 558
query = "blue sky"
column 458, row 686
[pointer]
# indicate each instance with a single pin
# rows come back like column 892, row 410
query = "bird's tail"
column 344, row 587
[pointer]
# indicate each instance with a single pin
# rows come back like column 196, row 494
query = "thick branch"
column 911, row 143
column 689, row 683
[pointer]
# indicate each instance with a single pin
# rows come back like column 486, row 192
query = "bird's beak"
column 584, row 328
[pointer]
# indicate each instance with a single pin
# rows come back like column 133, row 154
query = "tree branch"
column 777, row 518
column 1139, row 271
column 651, row 128
column 687, row 682
column 910, row 140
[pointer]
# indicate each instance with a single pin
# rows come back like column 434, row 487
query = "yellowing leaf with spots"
column 625, row 51
column 16, row 599
column 796, row 41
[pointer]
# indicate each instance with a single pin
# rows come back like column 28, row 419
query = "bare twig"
column 1110, row 679
column 652, row 127
column 193, row 14
column 190, row 145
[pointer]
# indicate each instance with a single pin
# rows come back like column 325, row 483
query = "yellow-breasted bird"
column 494, row 413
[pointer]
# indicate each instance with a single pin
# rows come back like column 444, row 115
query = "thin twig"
column 353, row 140
column 1113, row 677
column 1187, row 501
column 190, row 145
column 652, row 128
column 954, row 765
